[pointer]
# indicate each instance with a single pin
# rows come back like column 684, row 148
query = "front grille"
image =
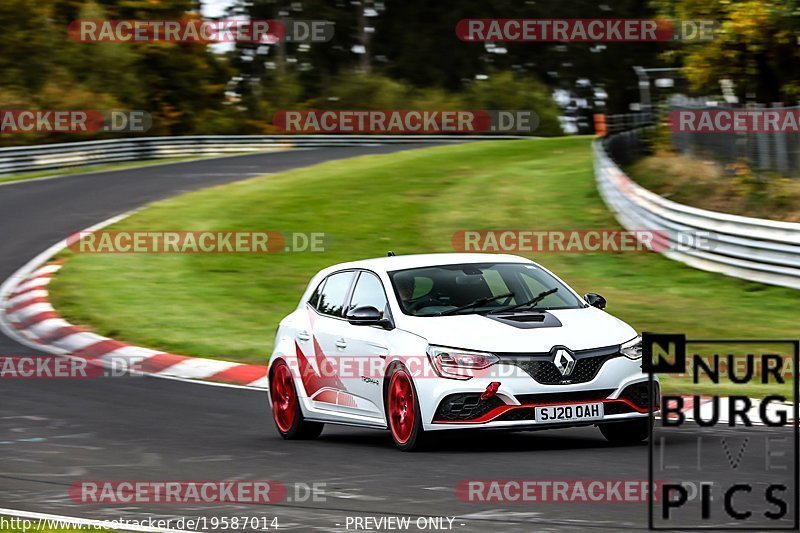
column 465, row 406
column 542, row 369
column 564, row 397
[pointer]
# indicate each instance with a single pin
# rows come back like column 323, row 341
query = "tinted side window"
column 314, row 300
column 331, row 301
column 369, row 291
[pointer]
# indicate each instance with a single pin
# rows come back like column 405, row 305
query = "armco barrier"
column 755, row 249
column 63, row 155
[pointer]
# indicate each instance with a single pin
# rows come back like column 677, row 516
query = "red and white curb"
column 27, row 316
column 27, row 309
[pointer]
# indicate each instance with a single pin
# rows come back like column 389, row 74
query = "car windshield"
column 478, row 288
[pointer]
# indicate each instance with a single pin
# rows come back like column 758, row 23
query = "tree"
column 755, row 45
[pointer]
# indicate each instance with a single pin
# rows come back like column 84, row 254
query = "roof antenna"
column 390, row 254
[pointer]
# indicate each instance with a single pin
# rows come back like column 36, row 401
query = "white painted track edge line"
column 23, row 272
column 208, row 383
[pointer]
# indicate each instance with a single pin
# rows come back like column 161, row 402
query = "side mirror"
column 595, row 300
column 368, row 316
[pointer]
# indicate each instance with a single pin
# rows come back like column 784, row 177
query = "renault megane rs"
column 422, row 343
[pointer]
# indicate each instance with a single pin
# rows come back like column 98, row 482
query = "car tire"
column 286, row 411
column 629, row 432
column 402, row 411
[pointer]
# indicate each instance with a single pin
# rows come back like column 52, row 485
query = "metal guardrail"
column 754, row 249
column 14, row 160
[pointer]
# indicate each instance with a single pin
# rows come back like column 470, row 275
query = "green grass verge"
column 228, row 306
column 709, row 185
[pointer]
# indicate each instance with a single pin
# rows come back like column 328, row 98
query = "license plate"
column 569, row 413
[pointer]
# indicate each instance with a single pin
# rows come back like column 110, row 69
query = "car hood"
column 580, row 329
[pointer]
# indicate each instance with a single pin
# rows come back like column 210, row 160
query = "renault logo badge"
column 564, row 361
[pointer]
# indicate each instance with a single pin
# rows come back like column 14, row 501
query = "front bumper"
column 618, row 384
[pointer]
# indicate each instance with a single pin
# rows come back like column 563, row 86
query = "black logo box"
column 675, row 344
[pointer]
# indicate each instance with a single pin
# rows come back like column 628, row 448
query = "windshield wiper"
column 477, row 303
column 533, row 301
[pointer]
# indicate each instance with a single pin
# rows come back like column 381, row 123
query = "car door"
column 367, row 347
column 320, row 363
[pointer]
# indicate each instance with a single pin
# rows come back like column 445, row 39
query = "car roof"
column 402, row 262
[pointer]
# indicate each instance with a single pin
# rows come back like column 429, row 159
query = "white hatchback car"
column 422, row 343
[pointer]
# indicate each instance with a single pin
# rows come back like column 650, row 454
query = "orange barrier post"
column 600, row 124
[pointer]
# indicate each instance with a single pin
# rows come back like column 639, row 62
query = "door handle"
column 341, row 344
column 380, row 350
column 303, row 336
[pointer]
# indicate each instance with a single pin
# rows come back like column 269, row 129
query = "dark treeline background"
column 389, row 54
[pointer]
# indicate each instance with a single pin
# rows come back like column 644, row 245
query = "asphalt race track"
column 56, row 432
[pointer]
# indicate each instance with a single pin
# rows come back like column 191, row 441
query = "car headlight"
column 455, row 363
column 632, row 349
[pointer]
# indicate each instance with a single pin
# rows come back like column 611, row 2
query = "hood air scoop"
column 528, row 320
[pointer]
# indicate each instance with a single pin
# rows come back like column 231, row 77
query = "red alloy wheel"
column 284, row 398
column 402, row 406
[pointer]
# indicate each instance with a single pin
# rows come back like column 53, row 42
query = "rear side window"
column 314, row 300
column 333, row 294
